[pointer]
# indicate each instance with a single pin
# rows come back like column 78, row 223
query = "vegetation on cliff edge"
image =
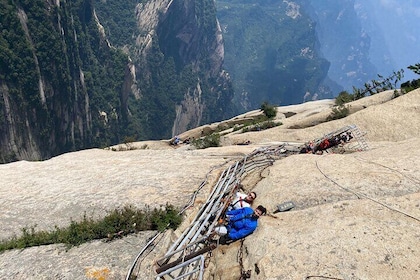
column 116, row 224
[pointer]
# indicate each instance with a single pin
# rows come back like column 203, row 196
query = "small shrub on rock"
column 344, row 97
column 212, row 140
column 338, row 112
column 269, row 110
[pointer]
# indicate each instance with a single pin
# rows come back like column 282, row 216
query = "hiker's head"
column 251, row 197
column 260, row 210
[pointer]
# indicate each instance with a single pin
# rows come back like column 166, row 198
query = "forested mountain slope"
column 65, row 85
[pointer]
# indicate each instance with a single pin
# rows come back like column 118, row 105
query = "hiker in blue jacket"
column 240, row 223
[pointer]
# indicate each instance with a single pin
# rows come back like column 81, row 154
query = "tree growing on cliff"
column 376, row 86
column 372, row 87
column 269, row 110
column 415, row 68
column 412, row 85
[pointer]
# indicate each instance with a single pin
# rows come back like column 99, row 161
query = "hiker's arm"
column 236, row 215
column 234, row 212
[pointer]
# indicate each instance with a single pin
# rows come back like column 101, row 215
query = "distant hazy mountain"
column 364, row 38
column 272, row 52
column 287, row 52
column 343, row 42
column 396, row 23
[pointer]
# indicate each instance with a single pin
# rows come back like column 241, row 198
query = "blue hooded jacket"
column 241, row 223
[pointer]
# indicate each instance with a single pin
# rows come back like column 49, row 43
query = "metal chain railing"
column 195, row 238
column 185, row 257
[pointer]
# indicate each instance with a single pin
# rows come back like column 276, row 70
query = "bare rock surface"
column 357, row 215
column 93, row 182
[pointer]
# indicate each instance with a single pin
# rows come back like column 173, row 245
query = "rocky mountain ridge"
column 356, row 214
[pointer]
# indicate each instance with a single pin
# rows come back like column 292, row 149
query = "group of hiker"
column 326, row 143
column 240, row 219
column 177, row 140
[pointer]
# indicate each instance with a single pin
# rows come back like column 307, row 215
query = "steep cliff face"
column 181, row 41
column 196, row 42
column 60, row 80
column 72, row 78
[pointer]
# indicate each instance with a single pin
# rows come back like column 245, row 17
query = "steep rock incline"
column 359, row 222
column 356, row 214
